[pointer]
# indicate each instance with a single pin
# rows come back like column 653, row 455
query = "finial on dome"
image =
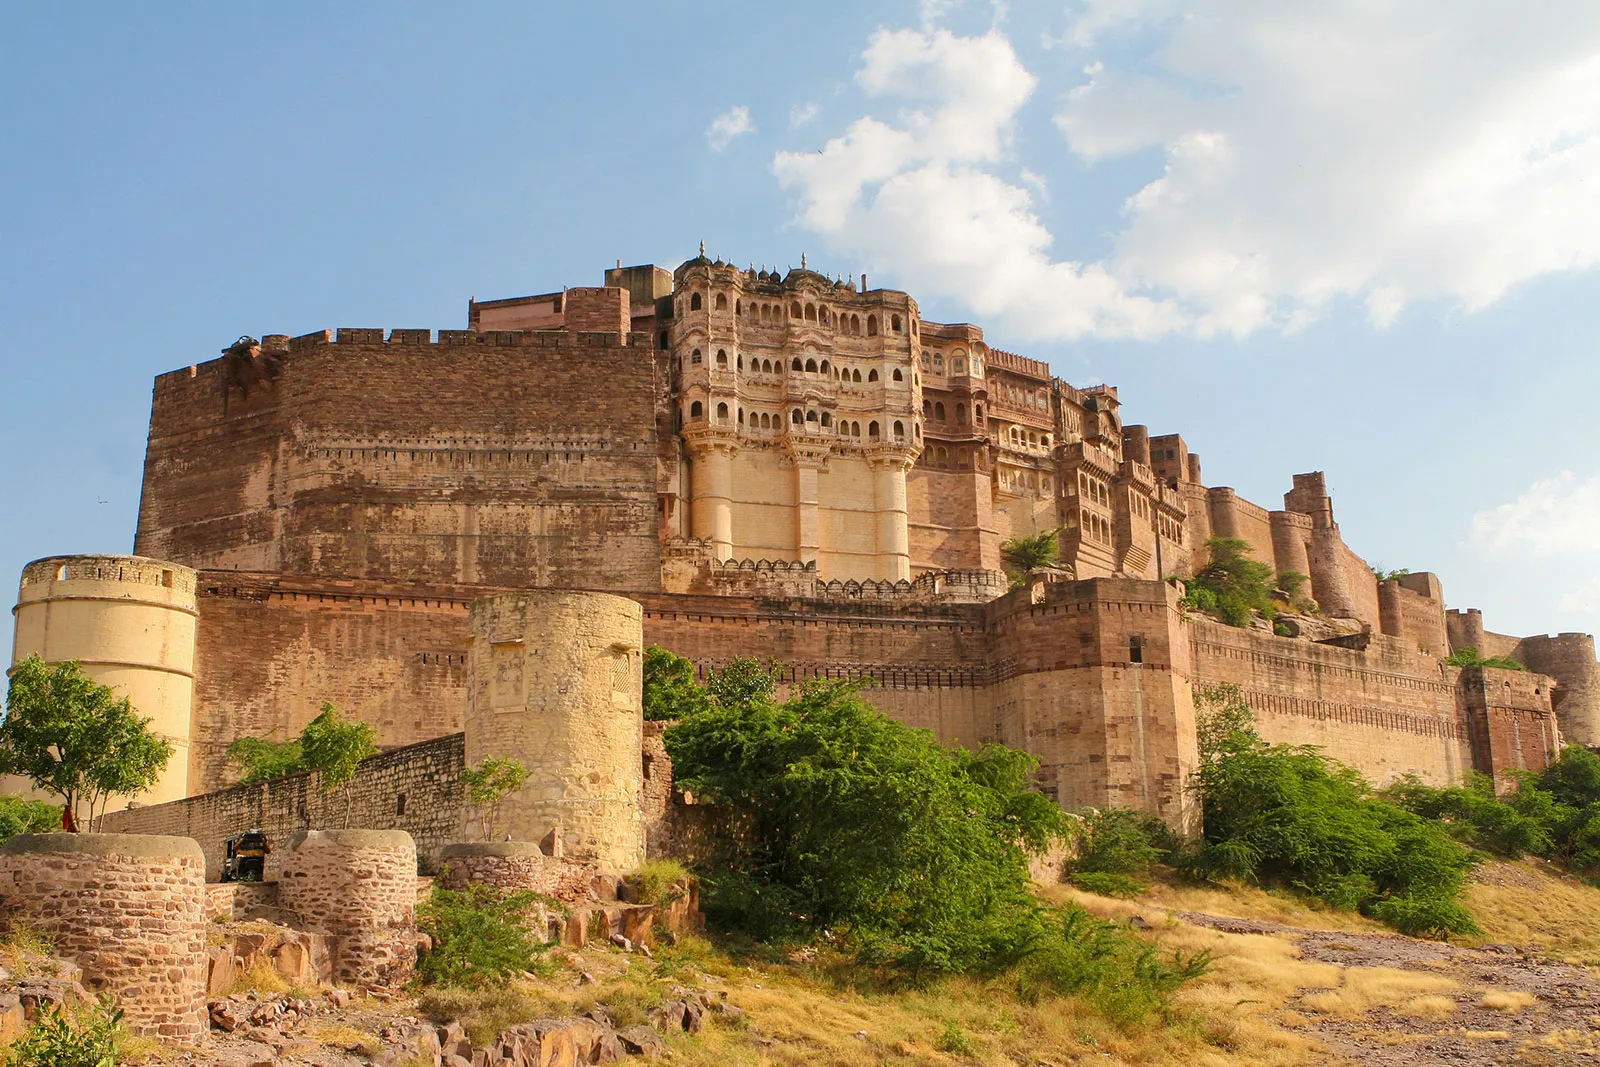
column 702, row 248
column 802, row 261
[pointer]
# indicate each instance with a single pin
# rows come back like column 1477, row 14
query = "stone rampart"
column 130, row 909
column 512, row 865
column 359, row 887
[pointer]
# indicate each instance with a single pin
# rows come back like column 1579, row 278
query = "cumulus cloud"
column 1375, row 153
column 802, row 114
column 1383, row 152
column 735, row 122
column 921, row 190
column 1557, row 516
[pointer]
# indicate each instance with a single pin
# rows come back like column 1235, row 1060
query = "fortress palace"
column 768, row 465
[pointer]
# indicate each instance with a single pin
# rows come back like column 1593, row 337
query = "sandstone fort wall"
column 502, row 458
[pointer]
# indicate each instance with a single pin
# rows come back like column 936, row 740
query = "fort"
column 466, row 538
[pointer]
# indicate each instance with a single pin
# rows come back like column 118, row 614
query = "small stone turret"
column 361, row 887
column 130, row 909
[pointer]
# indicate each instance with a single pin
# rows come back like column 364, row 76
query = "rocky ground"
column 1492, row 1004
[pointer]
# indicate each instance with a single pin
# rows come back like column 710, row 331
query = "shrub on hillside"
column 1232, row 586
column 1290, row 815
column 1116, row 848
column 1469, row 657
column 22, row 816
column 61, row 1037
column 482, row 936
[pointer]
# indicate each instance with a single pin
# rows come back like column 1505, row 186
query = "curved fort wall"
column 127, row 908
column 360, row 886
column 555, row 681
column 130, row 621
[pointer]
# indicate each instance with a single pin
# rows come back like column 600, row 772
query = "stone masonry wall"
column 130, row 910
column 503, row 458
column 359, row 887
column 412, row 789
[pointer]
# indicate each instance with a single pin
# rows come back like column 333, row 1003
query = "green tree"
column 334, row 747
column 1469, row 657
column 1022, row 554
column 76, row 738
column 1232, row 586
column 1388, row 576
column 842, row 819
column 260, row 759
column 488, row 783
column 742, row 680
column 670, row 691
column 21, row 816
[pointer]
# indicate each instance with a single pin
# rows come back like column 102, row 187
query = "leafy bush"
column 1022, row 554
column 1115, row 846
column 488, row 784
column 914, row 853
column 61, row 1038
column 1468, row 657
column 20, row 816
column 1290, row 815
column 1474, row 815
column 1231, row 586
column 329, row 744
column 658, row 881
column 670, row 691
column 481, row 936
column 1125, row 978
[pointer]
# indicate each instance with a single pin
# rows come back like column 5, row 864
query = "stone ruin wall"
column 359, row 887
column 131, row 911
column 501, row 458
column 414, row 789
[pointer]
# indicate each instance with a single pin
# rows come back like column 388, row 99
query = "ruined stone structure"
column 360, row 888
column 129, row 909
column 756, row 463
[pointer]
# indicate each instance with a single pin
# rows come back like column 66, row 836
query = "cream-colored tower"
column 555, row 680
column 130, row 622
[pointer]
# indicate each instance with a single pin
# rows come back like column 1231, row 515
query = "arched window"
column 794, row 310
column 961, row 457
column 741, row 416
column 694, row 302
column 811, row 366
column 811, row 313
column 897, row 375
column 855, row 429
column 740, row 361
column 722, row 357
column 1046, row 440
column 918, row 430
column 977, row 414
column 722, row 413
column 872, row 375
column 943, row 455
column 795, row 417
column 938, row 411
column 822, row 316
column 855, row 324
column 824, row 366
column 694, row 357
column 696, row 410
column 938, row 363
column 894, row 323
column 961, row 365
column 927, row 407
column 827, row 419
column 796, row 364
column 855, row 375
column 872, row 430
column 766, row 366
column 926, row 364
column 872, row 325
column 663, row 340
column 899, row 429
column 722, row 301
column 811, row 416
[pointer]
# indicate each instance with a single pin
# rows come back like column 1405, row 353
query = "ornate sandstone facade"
column 771, row 465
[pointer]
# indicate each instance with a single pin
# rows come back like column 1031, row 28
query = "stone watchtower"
column 130, row 621
column 555, row 680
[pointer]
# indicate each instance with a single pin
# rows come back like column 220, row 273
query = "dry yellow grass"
column 1366, row 988
column 1252, row 902
column 1433, row 1007
column 1507, row 1000
column 348, row 1038
column 1531, row 902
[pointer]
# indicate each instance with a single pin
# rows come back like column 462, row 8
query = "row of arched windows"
column 1021, row 437
column 799, row 417
column 935, row 410
column 934, row 362
column 1094, row 489
column 1096, row 528
column 851, row 324
column 809, row 366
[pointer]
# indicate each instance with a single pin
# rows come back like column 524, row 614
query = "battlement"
column 542, row 339
column 1003, row 360
column 136, row 570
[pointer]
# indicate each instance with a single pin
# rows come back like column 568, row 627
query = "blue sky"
column 1306, row 236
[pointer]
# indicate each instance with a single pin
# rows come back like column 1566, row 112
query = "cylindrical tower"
column 889, row 467
column 361, row 887
column 130, row 909
column 711, row 500
column 130, row 621
column 1291, row 537
column 503, row 864
column 1569, row 659
column 554, row 680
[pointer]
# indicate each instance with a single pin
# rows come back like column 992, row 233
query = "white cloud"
column 735, row 122
column 1557, row 516
column 801, row 114
column 1380, row 153
column 918, row 193
column 1386, row 152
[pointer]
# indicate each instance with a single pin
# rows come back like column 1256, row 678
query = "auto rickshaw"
column 245, row 857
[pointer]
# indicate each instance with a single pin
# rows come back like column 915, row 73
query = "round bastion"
column 360, row 887
column 509, row 865
column 130, row 909
column 554, row 680
column 130, row 622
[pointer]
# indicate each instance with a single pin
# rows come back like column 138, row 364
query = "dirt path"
column 1560, row 1026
